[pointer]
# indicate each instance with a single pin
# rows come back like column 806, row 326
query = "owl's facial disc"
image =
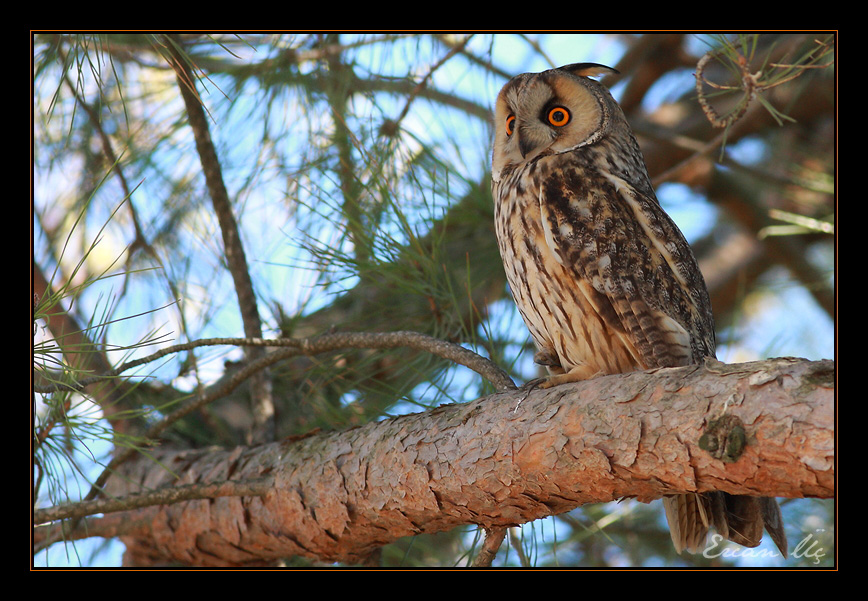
column 553, row 114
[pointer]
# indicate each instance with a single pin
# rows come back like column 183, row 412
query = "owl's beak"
column 529, row 141
column 525, row 146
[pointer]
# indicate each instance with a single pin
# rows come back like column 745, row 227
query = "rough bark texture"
column 505, row 459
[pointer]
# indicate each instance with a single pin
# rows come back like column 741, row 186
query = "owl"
column 601, row 275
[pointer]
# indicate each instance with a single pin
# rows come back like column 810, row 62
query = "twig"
column 493, row 539
column 424, row 81
column 321, row 344
column 162, row 496
column 750, row 86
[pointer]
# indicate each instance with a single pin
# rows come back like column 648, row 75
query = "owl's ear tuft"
column 588, row 69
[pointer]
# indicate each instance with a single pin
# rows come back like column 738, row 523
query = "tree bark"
column 502, row 460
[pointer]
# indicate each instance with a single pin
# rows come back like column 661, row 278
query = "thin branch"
column 749, row 84
column 423, row 83
column 493, row 539
column 112, row 158
column 261, row 393
column 162, row 496
column 323, row 344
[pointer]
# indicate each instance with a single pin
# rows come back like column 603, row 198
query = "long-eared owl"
column 601, row 275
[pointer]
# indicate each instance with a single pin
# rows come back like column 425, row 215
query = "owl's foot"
column 576, row 374
column 547, row 382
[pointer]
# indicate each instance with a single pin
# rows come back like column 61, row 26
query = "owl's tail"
column 737, row 518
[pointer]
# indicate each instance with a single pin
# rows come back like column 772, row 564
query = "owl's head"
column 551, row 112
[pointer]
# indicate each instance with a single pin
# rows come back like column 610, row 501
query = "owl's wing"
column 644, row 278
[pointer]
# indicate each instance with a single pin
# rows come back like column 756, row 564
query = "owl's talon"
column 535, row 383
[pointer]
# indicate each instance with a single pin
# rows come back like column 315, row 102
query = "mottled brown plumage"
column 601, row 275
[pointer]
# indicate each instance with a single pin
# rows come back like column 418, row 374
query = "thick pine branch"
column 505, row 459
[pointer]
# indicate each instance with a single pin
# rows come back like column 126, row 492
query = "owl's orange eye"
column 510, row 124
column 558, row 116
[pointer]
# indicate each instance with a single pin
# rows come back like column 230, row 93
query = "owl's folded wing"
column 644, row 276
